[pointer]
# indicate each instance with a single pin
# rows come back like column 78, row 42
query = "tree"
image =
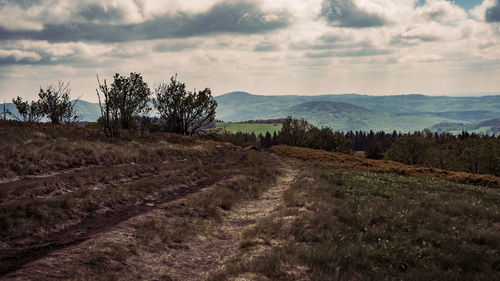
column 131, row 96
column 120, row 103
column 184, row 112
column 294, row 132
column 55, row 103
column 28, row 112
column 110, row 111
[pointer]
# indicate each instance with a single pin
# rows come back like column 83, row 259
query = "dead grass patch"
column 349, row 162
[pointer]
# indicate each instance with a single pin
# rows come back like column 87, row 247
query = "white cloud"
column 415, row 48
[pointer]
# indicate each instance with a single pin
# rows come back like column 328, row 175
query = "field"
column 256, row 128
column 355, row 225
column 156, row 206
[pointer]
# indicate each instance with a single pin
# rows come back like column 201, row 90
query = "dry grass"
column 32, row 149
column 349, row 162
column 355, row 225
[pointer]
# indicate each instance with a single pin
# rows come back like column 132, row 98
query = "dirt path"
column 13, row 259
column 190, row 260
column 207, row 254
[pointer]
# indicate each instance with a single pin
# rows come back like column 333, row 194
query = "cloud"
column 97, row 13
column 176, row 46
column 21, row 3
column 26, row 52
column 493, row 13
column 266, row 46
column 441, row 11
column 355, row 49
column 345, row 13
column 8, row 57
column 225, row 17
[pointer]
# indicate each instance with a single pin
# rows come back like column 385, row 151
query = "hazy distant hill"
column 346, row 111
column 345, row 116
column 360, row 112
column 487, row 127
column 88, row 111
column 238, row 106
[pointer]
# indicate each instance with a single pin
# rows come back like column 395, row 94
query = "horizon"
column 267, row 47
column 478, row 95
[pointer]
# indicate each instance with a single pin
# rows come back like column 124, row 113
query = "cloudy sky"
column 374, row 47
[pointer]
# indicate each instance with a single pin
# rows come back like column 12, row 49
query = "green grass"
column 352, row 225
column 256, row 128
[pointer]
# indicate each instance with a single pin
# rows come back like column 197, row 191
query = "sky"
column 307, row 47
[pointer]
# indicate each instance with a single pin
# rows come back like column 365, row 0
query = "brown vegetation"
column 63, row 185
column 356, row 225
column 349, row 162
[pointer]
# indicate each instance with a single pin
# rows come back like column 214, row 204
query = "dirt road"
column 190, row 260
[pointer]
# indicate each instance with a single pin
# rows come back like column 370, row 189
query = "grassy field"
column 256, row 128
column 155, row 206
column 356, row 225
column 60, row 185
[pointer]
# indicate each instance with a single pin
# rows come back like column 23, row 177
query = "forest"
column 465, row 152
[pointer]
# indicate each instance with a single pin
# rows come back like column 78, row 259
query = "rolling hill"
column 239, row 106
column 346, row 111
column 88, row 111
column 360, row 112
column 486, row 127
column 345, row 116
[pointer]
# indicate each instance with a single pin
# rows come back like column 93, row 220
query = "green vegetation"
column 256, row 128
column 485, row 127
column 402, row 112
column 345, row 225
column 345, row 116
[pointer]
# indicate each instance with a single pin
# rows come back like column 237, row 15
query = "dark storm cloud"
column 493, row 13
column 226, row 17
column 345, row 13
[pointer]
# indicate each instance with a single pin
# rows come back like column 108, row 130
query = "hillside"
column 75, row 205
column 239, row 106
column 486, row 127
column 88, row 111
column 343, row 116
column 399, row 112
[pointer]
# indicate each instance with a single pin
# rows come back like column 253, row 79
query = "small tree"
column 132, row 97
column 184, row 112
column 127, row 97
column 110, row 111
column 28, row 112
column 55, row 103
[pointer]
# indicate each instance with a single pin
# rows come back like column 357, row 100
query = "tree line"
column 473, row 153
column 126, row 104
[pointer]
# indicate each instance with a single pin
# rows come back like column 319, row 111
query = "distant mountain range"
column 361, row 112
column 351, row 111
